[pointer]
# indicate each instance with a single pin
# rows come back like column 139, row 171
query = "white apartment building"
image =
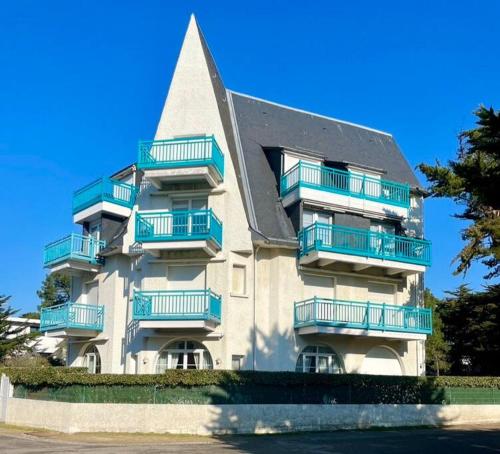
column 248, row 235
column 44, row 345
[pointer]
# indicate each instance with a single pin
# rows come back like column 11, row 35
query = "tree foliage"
column 436, row 347
column 471, row 326
column 12, row 339
column 55, row 290
column 473, row 180
column 32, row 315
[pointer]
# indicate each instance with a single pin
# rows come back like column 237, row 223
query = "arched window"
column 92, row 360
column 184, row 354
column 319, row 359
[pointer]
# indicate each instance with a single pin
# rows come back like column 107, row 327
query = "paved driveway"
column 442, row 441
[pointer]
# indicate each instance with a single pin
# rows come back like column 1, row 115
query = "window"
column 382, row 227
column 236, row 361
column 92, row 360
column 318, row 359
column 183, row 355
column 239, row 284
column 388, row 245
column 95, row 230
column 323, row 232
column 310, row 217
column 189, row 204
column 380, row 292
column 194, row 223
column 91, row 294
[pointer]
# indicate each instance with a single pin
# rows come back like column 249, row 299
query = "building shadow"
column 274, row 407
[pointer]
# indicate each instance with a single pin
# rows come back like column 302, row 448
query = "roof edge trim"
column 378, row 131
column 241, row 161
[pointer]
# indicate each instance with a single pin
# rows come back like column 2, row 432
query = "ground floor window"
column 319, row 359
column 92, row 360
column 184, row 355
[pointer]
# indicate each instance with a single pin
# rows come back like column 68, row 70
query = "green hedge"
column 63, row 376
column 47, row 371
column 244, row 387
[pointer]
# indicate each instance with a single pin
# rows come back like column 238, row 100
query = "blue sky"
column 81, row 82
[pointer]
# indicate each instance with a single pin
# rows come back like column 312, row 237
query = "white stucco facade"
column 258, row 280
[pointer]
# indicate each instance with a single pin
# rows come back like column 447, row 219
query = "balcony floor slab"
column 183, row 174
column 206, row 325
column 319, row 329
column 73, row 332
column 344, row 201
column 155, row 247
column 73, row 267
column 94, row 211
column 392, row 267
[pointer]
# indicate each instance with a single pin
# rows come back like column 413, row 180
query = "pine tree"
column 471, row 326
column 55, row 290
column 436, row 347
column 473, row 180
column 12, row 341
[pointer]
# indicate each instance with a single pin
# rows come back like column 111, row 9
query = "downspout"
column 254, row 334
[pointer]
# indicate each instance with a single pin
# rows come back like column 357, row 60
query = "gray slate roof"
column 263, row 124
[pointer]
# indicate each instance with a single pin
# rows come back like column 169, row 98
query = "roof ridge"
column 310, row 113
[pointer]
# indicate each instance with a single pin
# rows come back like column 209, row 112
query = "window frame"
column 333, row 358
column 244, row 294
column 199, row 350
column 315, row 216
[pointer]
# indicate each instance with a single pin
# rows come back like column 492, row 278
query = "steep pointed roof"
column 222, row 95
column 197, row 87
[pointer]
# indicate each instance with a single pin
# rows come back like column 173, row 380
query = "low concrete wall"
column 220, row 419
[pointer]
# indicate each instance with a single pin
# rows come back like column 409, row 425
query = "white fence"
column 224, row 419
column 6, row 392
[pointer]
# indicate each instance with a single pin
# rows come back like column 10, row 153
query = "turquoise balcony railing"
column 72, row 315
column 348, row 240
column 182, row 152
column 178, row 226
column 73, row 247
column 177, row 305
column 104, row 190
column 366, row 316
column 338, row 181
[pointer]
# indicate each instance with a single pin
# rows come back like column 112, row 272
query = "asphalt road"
column 443, row 441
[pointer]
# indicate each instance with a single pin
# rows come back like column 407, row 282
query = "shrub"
column 63, row 376
column 26, row 360
column 239, row 387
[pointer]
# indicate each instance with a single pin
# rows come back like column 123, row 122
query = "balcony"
column 179, row 230
column 103, row 196
column 326, row 316
column 74, row 253
column 199, row 309
column 345, row 189
column 72, row 320
column 326, row 244
column 187, row 159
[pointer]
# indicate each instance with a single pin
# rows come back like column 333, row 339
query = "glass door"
column 200, row 223
column 90, row 246
column 325, row 233
column 184, row 224
column 180, row 220
column 384, row 242
column 91, row 363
